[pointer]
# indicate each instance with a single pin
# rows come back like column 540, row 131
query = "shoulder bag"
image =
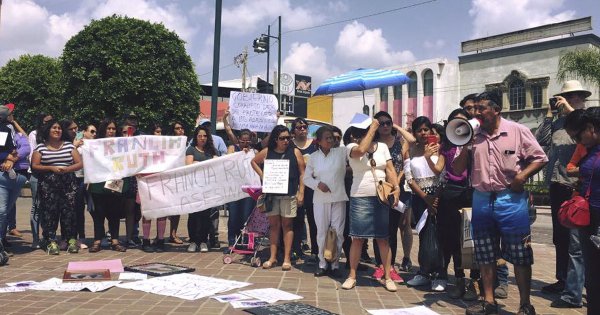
column 384, row 190
column 575, row 212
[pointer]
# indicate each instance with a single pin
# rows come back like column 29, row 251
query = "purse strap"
column 589, row 190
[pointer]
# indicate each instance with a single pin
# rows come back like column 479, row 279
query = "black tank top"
column 294, row 173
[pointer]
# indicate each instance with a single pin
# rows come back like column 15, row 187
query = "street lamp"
column 261, row 45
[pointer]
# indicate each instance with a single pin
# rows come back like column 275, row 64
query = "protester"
column 282, row 209
column 504, row 154
column 108, row 203
column 371, row 162
column 201, row 149
column 54, row 160
column 422, row 167
column 468, row 104
column 89, row 133
column 34, row 215
column 392, row 135
column 129, row 195
column 551, row 133
column 177, row 129
column 157, row 129
column 584, row 128
column 324, row 174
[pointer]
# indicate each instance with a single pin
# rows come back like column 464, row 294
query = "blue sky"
column 424, row 29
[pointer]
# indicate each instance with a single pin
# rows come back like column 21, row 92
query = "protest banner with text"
column 254, row 111
column 116, row 158
column 198, row 186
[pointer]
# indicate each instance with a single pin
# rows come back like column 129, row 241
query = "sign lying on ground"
column 197, row 187
column 254, row 111
column 116, row 158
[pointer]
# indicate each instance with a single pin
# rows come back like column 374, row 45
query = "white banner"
column 254, row 111
column 198, row 186
column 115, row 158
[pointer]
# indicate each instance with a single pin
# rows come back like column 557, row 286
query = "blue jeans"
column 9, row 192
column 239, row 211
column 34, row 215
column 575, row 271
column 502, row 274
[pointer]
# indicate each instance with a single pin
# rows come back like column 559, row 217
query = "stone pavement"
column 321, row 292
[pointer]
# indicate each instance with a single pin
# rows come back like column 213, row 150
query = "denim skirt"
column 368, row 218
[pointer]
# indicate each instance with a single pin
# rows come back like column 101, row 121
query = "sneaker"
column 203, row 248
column 560, row 303
column 35, row 244
column 214, row 243
column 73, row 247
column 406, row 264
column 378, row 274
column 137, row 240
column 439, row 285
column 470, row 291
column 526, row 309
column 501, row 291
column 131, row 244
column 192, row 248
column 482, row 308
column 147, row 247
column 159, row 246
column 390, row 285
column 555, row 288
column 349, row 284
column 62, row 245
column 395, row 276
column 53, row 248
column 418, row 280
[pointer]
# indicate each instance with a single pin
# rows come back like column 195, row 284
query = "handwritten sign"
column 197, row 187
column 116, row 158
column 254, row 111
column 276, row 176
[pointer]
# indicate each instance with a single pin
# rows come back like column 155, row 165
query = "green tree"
column 118, row 64
column 581, row 64
column 33, row 84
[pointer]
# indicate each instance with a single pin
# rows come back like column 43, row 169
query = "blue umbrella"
column 362, row 79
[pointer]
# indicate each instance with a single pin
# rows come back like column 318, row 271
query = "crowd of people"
column 333, row 187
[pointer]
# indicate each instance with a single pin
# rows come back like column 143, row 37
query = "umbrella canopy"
column 362, row 79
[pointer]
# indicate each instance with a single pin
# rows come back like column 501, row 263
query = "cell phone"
column 130, row 131
column 552, row 101
column 79, row 135
column 432, row 139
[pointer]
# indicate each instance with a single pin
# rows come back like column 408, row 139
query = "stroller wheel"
column 227, row 259
column 255, row 262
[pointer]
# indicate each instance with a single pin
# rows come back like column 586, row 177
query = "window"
column 398, row 92
column 383, row 94
column 428, row 83
column 516, row 95
column 412, row 85
column 536, row 96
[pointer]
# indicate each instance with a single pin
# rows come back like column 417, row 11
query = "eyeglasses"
column 386, row 123
column 371, row 160
column 92, row 131
column 301, row 127
column 284, row 138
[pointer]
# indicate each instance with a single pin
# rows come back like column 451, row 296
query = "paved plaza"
column 324, row 292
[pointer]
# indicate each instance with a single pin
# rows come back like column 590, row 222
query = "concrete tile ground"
column 321, row 292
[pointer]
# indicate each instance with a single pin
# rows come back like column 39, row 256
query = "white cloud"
column 338, row 6
column 434, row 45
column 250, row 16
column 492, row 17
column 362, row 47
column 304, row 58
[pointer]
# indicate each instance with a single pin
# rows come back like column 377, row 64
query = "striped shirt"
column 61, row 157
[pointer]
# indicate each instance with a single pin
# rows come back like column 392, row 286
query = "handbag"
column 575, row 212
column 384, row 190
column 330, row 251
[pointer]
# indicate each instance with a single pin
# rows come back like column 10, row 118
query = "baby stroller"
column 252, row 238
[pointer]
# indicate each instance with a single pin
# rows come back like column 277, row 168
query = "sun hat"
column 573, row 86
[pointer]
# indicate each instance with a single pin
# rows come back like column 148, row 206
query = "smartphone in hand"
column 432, row 139
column 79, row 135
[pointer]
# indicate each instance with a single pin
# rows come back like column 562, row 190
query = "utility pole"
column 215, row 76
column 241, row 61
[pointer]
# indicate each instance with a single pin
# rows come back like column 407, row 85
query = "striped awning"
column 362, row 79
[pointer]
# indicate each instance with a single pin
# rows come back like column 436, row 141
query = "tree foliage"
column 581, row 64
column 118, row 64
column 33, row 84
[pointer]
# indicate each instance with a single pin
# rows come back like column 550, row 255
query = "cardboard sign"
column 276, row 176
column 254, row 111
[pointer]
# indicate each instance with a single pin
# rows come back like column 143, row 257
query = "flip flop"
column 268, row 264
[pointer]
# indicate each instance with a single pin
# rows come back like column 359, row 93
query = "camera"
column 552, row 103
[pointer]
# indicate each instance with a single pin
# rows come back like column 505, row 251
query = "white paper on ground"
column 22, row 284
column 271, row 295
column 230, row 297
column 248, row 303
column 12, row 289
column 132, row 276
column 56, row 284
column 417, row 310
column 401, row 207
column 422, row 221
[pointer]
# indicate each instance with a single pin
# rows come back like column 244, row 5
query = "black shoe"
column 159, row 246
column 526, row 309
column 305, row 248
column 482, row 308
column 146, row 247
column 320, row 272
column 555, row 288
column 214, row 243
column 560, row 303
column 406, row 264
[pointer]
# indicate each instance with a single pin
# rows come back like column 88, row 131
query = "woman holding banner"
column 282, row 209
column 177, row 129
column 199, row 223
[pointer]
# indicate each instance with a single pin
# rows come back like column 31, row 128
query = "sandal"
column 175, row 240
column 350, row 283
column 269, row 264
column 96, row 247
column 286, row 267
column 118, row 247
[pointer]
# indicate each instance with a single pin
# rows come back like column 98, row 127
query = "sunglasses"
column 386, row 123
column 284, row 138
column 302, row 127
column 92, row 131
column 371, row 160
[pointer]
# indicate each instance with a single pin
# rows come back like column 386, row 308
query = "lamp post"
column 261, row 45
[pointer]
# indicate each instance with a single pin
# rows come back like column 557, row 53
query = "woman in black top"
column 282, row 209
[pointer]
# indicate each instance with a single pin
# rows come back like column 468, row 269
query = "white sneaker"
column 418, row 280
column 203, row 248
column 439, row 285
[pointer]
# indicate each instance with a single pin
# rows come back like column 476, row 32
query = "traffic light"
column 261, row 44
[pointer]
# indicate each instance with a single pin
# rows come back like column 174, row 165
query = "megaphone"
column 460, row 131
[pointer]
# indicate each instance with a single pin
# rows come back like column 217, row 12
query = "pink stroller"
column 253, row 236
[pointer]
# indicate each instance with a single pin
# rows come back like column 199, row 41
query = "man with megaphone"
column 504, row 155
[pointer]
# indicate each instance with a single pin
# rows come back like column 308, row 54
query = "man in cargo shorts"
column 505, row 154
